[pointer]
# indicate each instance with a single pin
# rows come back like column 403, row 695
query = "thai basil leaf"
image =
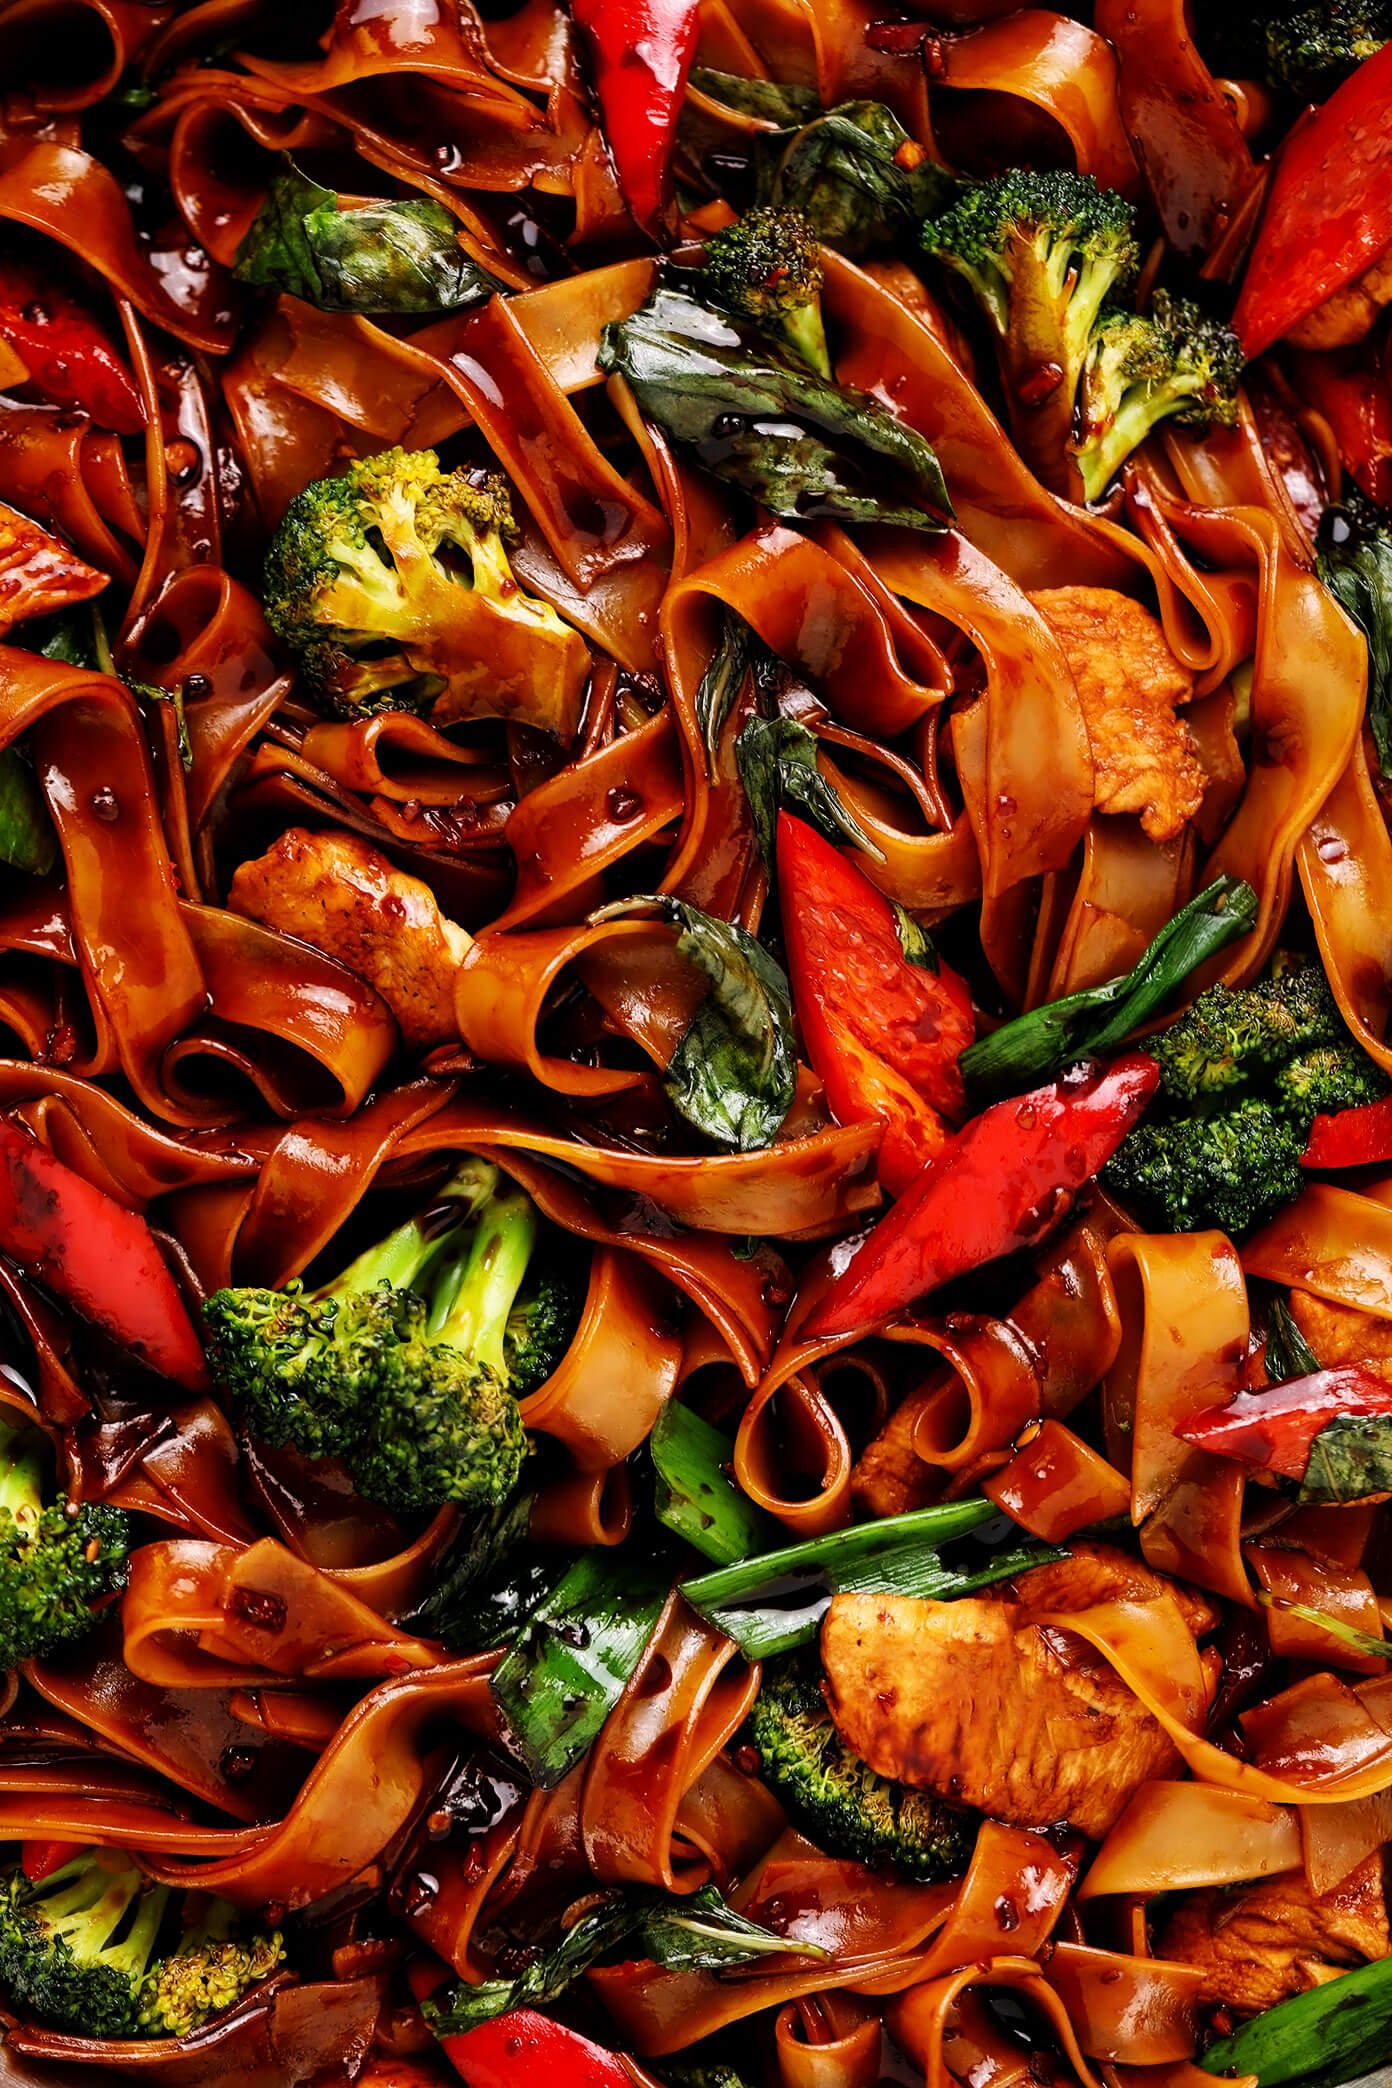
column 1350, row 1458
column 699, row 1933
column 803, row 446
column 27, row 839
column 914, row 940
column 1288, row 1354
column 776, row 1602
column 777, row 761
column 1035, row 1046
column 1322, row 2039
column 734, row 1074
column 695, row 1498
column 720, row 684
column 488, row 1583
column 1355, row 564
column 463, row 2007
column 855, row 172
column 401, row 257
column 770, row 100
column 563, row 1676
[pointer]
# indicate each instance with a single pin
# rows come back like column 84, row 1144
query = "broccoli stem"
column 402, row 1258
column 477, row 1290
column 21, row 1470
column 90, row 1905
column 806, row 335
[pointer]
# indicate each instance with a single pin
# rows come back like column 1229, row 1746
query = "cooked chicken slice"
column 1129, row 683
column 1094, row 1573
column 335, row 892
column 1351, row 313
column 1259, row 1944
column 971, row 1700
column 1342, row 1334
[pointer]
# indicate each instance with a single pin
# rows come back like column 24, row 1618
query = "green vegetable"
column 27, row 839
column 562, row 1677
column 1033, row 1048
column 1355, row 564
column 1307, row 50
column 410, row 1364
column 838, row 1800
column 766, row 271
column 1321, row 2039
column 488, row 1582
column 770, row 100
column 716, row 2076
column 1042, row 253
column 777, row 761
column 1350, row 1459
column 720, row 684
column 696, row 1932
column 855, row 173
column 769, row 424
column 1243, row 1074
column 775, row 1603
column 1178, row 364
column 57, row 1558
column 385, row 581
column 1349, row 1634
column 1288, row 1353
column 695, row 1498
column 733, row 1076
column 80, row 1950
column 397, row 257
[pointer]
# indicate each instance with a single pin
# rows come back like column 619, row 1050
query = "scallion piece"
column 695, row 1497
column 776, row 1602
column 1029, row 1050
column 1322, row 2039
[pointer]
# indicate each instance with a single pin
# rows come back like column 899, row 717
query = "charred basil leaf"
column 777, row 761
column 856, row 173
column 734, row 1074
column 401, row 257
column 1288, row 1354
column 770, row 100
column 803, row 446
column 699, row 1933
column 1349, row 1459
column 1355, row 564
column 720, row 684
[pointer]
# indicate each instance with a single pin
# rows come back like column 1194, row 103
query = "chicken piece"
column 1094, row 1573
column 335, row 892
column 1351, row 313
column 1129, row 683
column 38, row 573
column 1259, row 1944
column 1341, row 1334
column 971, row 1700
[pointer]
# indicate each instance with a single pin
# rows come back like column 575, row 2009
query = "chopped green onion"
column 773, row 1603
column 1347, row 1634
column 695, row 1498
column 1322, row 2039
column 1037, row 1045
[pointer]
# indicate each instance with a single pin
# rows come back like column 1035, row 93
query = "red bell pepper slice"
column 1275, row 1430
column 1352, row 389
column 641, row 52
column 40, row 1859
column 999, row 1186
column 1329, row 212
column 96, row 1255
column 884, row 1035
column 523, row 2049
column 69, row 358
column 1359, row 1137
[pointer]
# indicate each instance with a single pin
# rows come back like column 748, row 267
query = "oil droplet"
column 105, row 804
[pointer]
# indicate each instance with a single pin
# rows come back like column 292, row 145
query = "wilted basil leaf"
column 777, row 761
column 734, row 1074
column 770, row 100
column 699, row 1933
column 803, row 446
column 400, row 257
column 27, row 839
column 1349, row 1459
column 857, row 174
column 720, row 684
column 914, row 940
column 1355, row 564
column 1288, row 1354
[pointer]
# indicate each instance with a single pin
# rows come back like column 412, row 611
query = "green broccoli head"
column 835, row 1797
column 97, row 1949
column 1232, row 1036
column 410, row 1365
column 1306, row 50
column 392, row 586
column 57, row 1557
column 1324, row 1080
column 1230, row 1168
column 1042, row 253
column 1179, row 364
column 767, row 269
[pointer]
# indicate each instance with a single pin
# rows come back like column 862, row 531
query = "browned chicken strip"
column 1259, row 1944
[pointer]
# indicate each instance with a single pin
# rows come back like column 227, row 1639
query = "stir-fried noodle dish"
column 695, row 1043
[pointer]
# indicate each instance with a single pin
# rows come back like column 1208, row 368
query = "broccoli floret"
column 767, row 269
column 79, row 1950
column 409, row 1366
column 1231, row 1036
column 835, row 1797
column 1307, row 50
column 1178, row 364
column 57, row 1557
column 1233, row 1168
column 377, row 581
column 1243, row 1075
column 1042, row 253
